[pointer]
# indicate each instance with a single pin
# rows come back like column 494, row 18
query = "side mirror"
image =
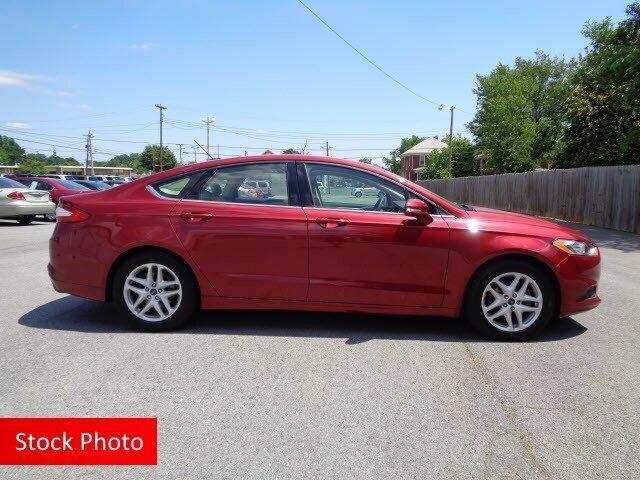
column 419, row 210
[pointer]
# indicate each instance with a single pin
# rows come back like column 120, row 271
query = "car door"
column 363, row 249
column 247, row 246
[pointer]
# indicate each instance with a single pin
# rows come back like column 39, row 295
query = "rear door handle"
column 331, row 222
column 195, row 217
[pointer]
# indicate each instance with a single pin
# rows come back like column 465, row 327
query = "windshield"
column 8, row 183
column 72, row 185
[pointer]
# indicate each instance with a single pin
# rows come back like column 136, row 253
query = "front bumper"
column 578, row 277
column 20, row 208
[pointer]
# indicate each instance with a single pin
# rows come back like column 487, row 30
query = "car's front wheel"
column 510, row 300
column 155, row 291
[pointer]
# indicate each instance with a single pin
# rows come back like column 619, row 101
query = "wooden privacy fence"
column 603, row 196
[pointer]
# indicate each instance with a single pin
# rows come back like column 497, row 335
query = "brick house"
column 417, row 157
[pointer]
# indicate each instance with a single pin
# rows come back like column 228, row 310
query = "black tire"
column 472, row 308
column 50, row 217
column 188, row 304
column 358, row 194
column 26, row 219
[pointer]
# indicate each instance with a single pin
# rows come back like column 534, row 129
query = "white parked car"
column 21, row 203
column 365, row 192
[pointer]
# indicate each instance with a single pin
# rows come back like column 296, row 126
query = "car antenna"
column 204, row 150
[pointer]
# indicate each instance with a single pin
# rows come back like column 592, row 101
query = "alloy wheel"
column 152, row 292
column 512, row 301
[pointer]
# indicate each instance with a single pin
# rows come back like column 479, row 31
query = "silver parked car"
column 364, row 191
column 22, row 203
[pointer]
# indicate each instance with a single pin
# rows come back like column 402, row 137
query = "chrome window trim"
column 382, row 177
column 212, row 202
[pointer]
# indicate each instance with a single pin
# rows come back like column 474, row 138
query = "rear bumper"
column 578, row 277
column 21, row 208
column 74, row 266
column 85, row 291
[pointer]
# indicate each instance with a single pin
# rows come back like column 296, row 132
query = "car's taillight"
column 16, row 196
column 50, row 197
column 67, row 213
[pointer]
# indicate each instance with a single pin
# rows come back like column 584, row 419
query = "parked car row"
column 24, row 196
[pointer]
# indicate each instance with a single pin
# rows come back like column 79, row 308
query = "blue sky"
column 269, row 72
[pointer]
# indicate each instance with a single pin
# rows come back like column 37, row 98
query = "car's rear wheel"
column 358, row 194
column 510, row 300
column 50, row 217
column 26, row 219
column 155, row 291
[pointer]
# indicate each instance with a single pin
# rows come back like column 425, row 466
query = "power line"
column 359, row 52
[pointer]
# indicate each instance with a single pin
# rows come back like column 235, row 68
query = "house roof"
column 428, row 145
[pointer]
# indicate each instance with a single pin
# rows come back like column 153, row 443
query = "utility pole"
column 208, row 121
column 326, row 148
column 218, row 151
column 451, row 141
column 160, row 107
column 195, row 154
column 180, row 150
column 89, row 160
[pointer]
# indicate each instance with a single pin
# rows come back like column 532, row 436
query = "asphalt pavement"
column 330, row 396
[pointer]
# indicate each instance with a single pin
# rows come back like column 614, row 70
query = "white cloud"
column 18, row 125
column 21, row 80
column 76, row 106
column 63, row 93
column 261, row 131
column 143, row 46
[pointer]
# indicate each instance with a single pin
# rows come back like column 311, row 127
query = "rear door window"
column 239, row 184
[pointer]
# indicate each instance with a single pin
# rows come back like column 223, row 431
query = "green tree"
column 463, row 160
column 503, row 126
column 393, row 162
column 37, row 157
column 290, row 151
column 31, row 166
column 437, row 165
column 4, row 157
column 151, row 156
column 521, row 116
column 604, row 109
column 368, row 161
column 61, row 161
column 13, row 153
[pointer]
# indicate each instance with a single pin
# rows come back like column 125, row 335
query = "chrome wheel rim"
column 512, row 302
column 152, row 292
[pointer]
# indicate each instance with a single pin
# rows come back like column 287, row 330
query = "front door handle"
column 331, row 222
column 195, row 217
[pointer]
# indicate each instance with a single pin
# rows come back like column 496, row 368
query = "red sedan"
column 196, row 237
column 55, row 186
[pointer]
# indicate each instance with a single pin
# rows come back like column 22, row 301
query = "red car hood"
column 490, row 218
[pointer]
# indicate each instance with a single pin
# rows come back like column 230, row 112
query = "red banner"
column 78, row 441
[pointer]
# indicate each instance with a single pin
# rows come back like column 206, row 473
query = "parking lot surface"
column 300, row 395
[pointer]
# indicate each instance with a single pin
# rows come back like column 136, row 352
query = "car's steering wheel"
column 381, row 197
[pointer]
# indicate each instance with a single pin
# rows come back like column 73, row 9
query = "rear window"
column 8, row 183
column 72, row 185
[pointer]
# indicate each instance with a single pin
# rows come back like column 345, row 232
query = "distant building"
column 268, row 152
column 417, row 157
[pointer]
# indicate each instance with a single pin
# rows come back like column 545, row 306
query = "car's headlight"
column 575, row 247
